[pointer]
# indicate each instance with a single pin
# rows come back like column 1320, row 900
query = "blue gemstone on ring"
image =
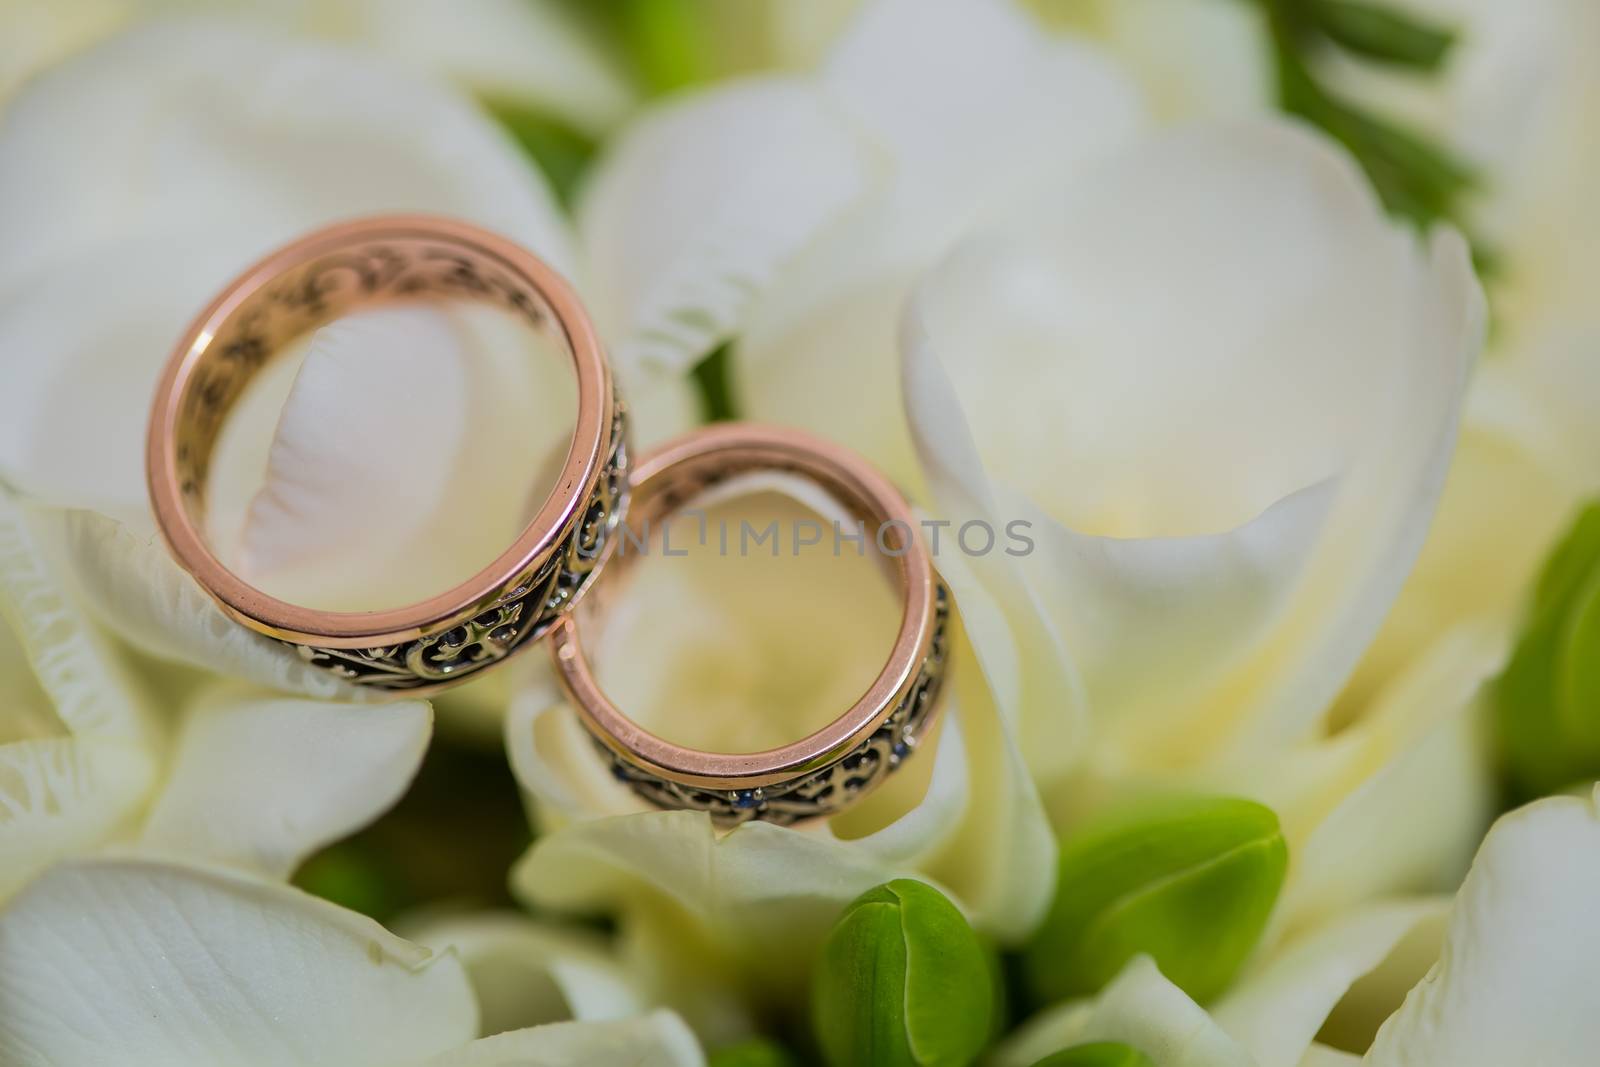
column 745, row 799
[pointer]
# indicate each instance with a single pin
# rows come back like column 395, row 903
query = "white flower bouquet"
column 1240, row 359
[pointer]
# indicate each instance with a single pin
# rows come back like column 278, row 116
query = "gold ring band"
column 328, row 274
column 830, row 769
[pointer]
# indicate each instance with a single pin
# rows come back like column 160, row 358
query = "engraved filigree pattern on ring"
column 521, row 612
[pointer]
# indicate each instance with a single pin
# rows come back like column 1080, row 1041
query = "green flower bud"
column 902, row 982
column 1547, row 702
column 1099, row 1054
column 1188, row 881
column 757, row 1052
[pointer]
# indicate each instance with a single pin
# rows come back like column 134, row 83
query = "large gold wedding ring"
column 328, row 274
column 816, row 775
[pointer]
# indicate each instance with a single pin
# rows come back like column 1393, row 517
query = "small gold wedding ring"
column 816, row 775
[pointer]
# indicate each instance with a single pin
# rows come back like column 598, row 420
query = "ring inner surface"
column 777, row 648
column 358, row 273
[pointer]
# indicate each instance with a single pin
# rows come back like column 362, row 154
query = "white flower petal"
column 1153, row 426
column 1132, row 602
column 359, row 511
column 1139, row 1008
column 972, row 105
column 531, row 52
column 1193, row 59
column 136, row 589
column 528, row 974
column 76, row 668
column 702, row 916
column 553, row 757
column 136, row 963
column 1422, row 749
column 1323, row 1056
column 212, row 171
column 1018, row 646
column 1513, row 982
column 1276, row 1009
column 79, row 750
column 38, row 33
column 659, row 1039
column 980, row 827
column 261, row 782
column 60, row 796
column 728, row 676
column 700, row 205
column 962, row 93
column 1528, row 456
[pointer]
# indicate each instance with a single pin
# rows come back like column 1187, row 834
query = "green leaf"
column 902, row 982
column 757, row 1052
column 665, row 40
column 1383, row 33
column 1417, row 178
column 1189, row 881
column 561, row 152
column 1099, row 1054
column 1547, row 700
column 713, row 378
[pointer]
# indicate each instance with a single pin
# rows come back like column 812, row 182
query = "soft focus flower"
column 674, row 43
column 1195, row 600
column 1072, row 277
column 94, row 755
column 341, row 497
column 1502, row 982
column 527, row 973
column 1211, row 593
column 524, row 52
column 1517, row 99
column 736, row 653
column 790, row 213
column 1202, row 598
column 1191, row 58
column 136, row 963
